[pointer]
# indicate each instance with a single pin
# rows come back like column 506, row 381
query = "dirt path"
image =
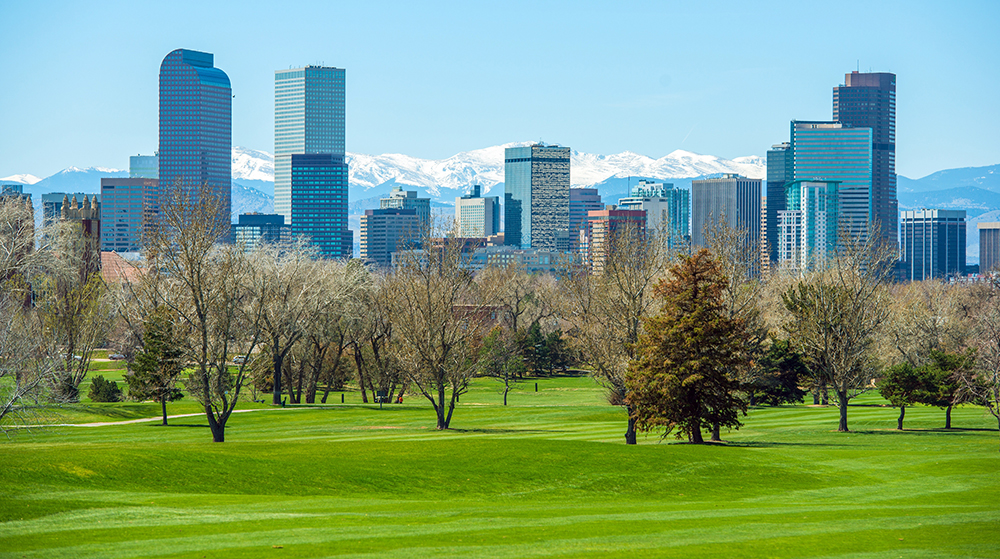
column 150, row 419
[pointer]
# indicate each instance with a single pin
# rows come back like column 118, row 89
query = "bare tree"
column 983, row 386
column 837, row 315
column 607, row 309
column 440, row 315
column 212, row 289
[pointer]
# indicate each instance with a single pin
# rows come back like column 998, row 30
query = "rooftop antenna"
column 859, row 65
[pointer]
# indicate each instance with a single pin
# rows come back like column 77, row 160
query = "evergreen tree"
column 157, row 368
column 903, row 386
column 776, row 379
column 941, row 382
column 679, row 380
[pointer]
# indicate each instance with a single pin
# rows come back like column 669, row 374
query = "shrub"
column 104, row 390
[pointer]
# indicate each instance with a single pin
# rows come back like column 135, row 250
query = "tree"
column 155, row 371
column 607, row 310
column 775, row 380
column 102, row 390
column 213, row 291
column 501, row 361
column 836, row 316
column 983, row 385
column 440, row 315
column 902, row 386
column 941, row 380
column 679, row 379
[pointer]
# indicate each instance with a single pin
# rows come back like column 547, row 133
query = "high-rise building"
column 129, row 205
column 603, row 226
column 196, row 143
column 869, row 101
column 581, row 201
column 387, row 230
column 477, row 216
column 933, row 243
column 9, row 190
column 731, row 199
column 536, row 198
column 310, row 174
column 779, row 172
column 86, row 218
column 668, row 210
column 254, row 229
column 409, row 199
column 144, row 167
column 989, row 246
column 825, row 151
column 807, row 227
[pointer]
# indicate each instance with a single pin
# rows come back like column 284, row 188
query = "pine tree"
column 158, row 367
column 679, row 380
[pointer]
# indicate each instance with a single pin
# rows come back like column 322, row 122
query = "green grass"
column 547, row 476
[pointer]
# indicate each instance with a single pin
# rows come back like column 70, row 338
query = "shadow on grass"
column 176, row 425
column 505, row 431
column 756, row 444
column 937, row 431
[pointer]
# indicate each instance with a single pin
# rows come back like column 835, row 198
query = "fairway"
column 547, row 476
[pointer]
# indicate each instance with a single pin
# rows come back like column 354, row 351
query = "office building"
column 779, row 172
column 581, row 201
column 52, row 205
column 144, row 167
column 733, row 200
column 409, row 200
column 807, row 227
column 869, row 101
column 603, row 226
column 477, row 216
column 387, row 230
column 932, row 244
column 255, row 229
column 989, row 247
column 310, row 174
column 8, row 190
column 833, row 151
column 196, row 106
column 129, row 209
column 668, row 210
column 536, row 198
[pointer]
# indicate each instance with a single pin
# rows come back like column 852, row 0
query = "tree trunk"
column 902, row 414
column 842, row 403
column 279, row 359
column 696, row 436
column 715, row 432
column 630, row 437
column 506, row 389
column 218, row 429
column 947, row 417
column 358, row 361
column 825, row 396
column 163, row 404
column 815, row 396
column 440, row 408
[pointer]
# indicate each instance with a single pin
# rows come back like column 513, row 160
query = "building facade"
column 581, row 201
column 129, row 209
column 602, row 228
column 387, row 230
column 196, row 108
column 933, row 243
column 254, row 229
column 52, row 204
column 832, row 151
column 779, row 172
column 731, row 199
column 989, row 246
column 668, row 210
column 869, row 101
column 476, row 215
column 410, row 200
column 807, row 227
column 310, row 173
column 144, row 167
column 536, row 197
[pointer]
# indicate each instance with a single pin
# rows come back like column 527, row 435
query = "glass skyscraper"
column 730, row 199
column 933, row 244
column 779, row 172
column 807, row 224
column 310, row 175
column 536, row 184
column 196, row 107
column 833, row 151
column 869, row 101
column 668, row 210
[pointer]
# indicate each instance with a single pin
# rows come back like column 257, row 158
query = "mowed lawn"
column 547, row 476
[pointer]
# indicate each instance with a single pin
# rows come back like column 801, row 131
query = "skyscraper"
column 779, row 172
column 731, row 199
column 536, row 198
column 933, row 243
column 476, row 215
column 410, row 199
column 310, row 175
column 581, row 201
column 869, row 101
column 989, row 246
column 807, row 227
column 668, row 210
column 387, row 230
column 196, row 144
column 602, row 228
column 129, row 205
column 823, row 150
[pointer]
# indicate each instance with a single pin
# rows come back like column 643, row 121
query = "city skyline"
column 652, row 97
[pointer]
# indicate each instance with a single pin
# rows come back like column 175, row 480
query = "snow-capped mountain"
column 21, row 179
column 485, row 166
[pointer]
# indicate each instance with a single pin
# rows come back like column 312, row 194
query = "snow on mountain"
column 485, row 166
column 251, row 164
column 21, row 179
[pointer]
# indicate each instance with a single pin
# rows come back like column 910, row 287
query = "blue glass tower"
column 536, row 183
column 310, row 175
column 832, row 151
column 196, row 143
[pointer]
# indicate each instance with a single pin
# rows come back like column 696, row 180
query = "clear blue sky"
column 431, row 79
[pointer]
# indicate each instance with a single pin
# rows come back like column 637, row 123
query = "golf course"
column 547, row 476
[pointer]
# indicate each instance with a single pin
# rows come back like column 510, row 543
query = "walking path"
column 149, row 419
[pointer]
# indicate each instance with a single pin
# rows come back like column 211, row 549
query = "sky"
column 432, row 79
